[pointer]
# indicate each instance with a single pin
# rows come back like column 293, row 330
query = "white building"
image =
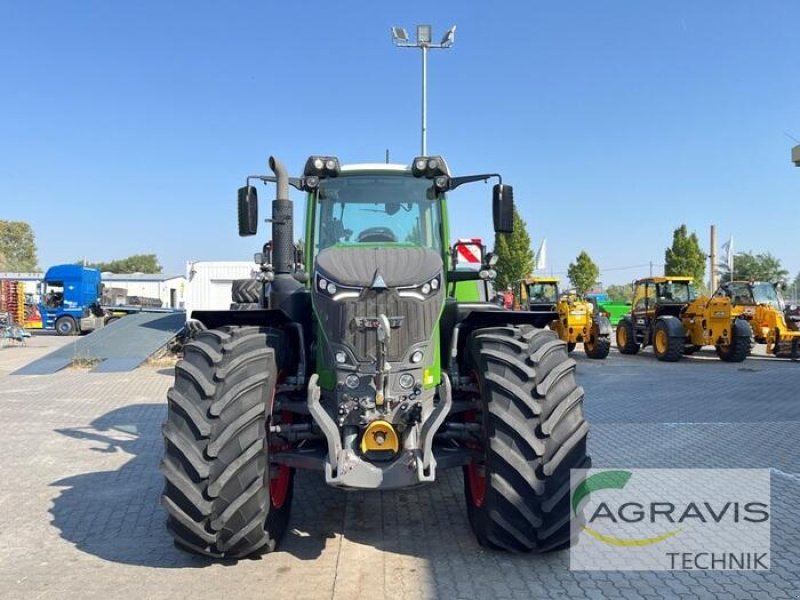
column 209, row 283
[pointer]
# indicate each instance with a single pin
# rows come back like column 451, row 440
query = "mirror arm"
column 457, row 181
column 295, row 182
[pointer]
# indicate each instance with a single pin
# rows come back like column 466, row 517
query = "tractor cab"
column 762, row 305
column 746, row 295
column 657, row 296
column 536, row 294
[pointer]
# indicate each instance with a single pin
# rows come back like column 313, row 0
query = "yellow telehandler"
column 572, row 318
column 667, row 314
column 761, row 304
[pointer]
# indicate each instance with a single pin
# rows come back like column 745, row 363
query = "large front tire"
column 626, row 341
column 597, row 346
column 741, row 342
column 219, row 494
column 667, row 346
column 533, row 433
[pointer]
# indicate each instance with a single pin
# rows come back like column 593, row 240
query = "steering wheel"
column 377, row 234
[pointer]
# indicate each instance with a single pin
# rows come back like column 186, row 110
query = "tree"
column 755, row 267
column 18, row 246
column 685, row 256
column 138, row 263
column 794, row 290
column 583, row 273
column 515, row 256
column 620, row 293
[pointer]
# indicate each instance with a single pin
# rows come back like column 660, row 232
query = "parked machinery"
column 762, row 305
column 366, row 366
column 572, row 318
column 667, row 314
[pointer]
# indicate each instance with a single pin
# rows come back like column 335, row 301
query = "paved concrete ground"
column 80, row 490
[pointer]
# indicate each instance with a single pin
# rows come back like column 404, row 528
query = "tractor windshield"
column 377, row 209
column 543, row 292
column 765, row 293
column 675, row 291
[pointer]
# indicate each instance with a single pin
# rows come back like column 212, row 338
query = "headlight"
column 334, row 291
column 352, row 381
column 407, row 381
column 422, row 291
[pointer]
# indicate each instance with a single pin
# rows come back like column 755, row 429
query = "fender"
column 741, row 328
column 603, row 325
column 214, row 319
column 674, row 326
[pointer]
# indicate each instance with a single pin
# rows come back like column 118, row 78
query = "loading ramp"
column 120, row 346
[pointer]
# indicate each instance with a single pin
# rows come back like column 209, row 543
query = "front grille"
column 339, row 321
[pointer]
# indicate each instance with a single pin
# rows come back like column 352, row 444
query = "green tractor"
column 360, row 362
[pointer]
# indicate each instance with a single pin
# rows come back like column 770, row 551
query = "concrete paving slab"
column 81, row 494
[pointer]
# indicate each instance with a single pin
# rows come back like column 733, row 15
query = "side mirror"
column 248, row 211
column 503, row 208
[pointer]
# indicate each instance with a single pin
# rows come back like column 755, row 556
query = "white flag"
column 727, row 248
column 541, row 256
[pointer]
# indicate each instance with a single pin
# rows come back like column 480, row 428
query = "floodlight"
column 399, row 34
column 449, row 37
column 423, row 34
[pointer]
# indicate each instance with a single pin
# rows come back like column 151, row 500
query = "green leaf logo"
column 604, row 481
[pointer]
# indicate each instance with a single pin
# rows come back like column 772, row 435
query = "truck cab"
column 69, row 291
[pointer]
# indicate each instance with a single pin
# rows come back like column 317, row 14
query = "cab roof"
column 375, row 168
column 536, row 279
column 675, row 278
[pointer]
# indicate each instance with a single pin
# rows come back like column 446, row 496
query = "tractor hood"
column 396, row 266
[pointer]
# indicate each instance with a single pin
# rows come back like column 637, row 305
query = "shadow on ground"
column 116, row 515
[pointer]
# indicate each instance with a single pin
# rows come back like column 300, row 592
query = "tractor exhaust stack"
column 282, row 222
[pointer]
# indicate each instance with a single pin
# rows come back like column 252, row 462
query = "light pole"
column 424, row 43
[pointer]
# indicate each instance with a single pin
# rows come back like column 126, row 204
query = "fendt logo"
column 667, row 519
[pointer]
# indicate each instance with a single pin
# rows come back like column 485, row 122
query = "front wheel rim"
column 477, row 484
column 661, row 341
column 279, row 486
column 476, row 471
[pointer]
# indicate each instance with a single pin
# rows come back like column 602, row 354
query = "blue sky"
column 126, row 128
